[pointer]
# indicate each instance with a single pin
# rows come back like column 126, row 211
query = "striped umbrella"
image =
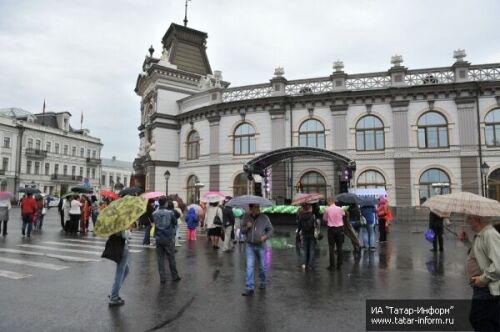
column 465, row 203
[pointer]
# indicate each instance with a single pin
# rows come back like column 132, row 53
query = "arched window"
column 313, row 182
column 494, row 185
column 492, row 128
column 371, row 179
column 432, row 131
column 370, row 134
column 240, row 185
column 312, row 134
column 244, row 139
column 193, row 145
column 192, row 190
column 434, row 182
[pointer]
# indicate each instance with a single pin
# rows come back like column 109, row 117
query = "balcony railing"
column 66, row 178
column 93, row 161
column 367, row 81
column 36, row 153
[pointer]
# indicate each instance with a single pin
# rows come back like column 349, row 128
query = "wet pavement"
column 72, row 296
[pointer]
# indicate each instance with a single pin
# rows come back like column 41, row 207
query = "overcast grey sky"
column 85, row 55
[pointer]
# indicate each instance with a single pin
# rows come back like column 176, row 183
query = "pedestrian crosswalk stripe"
column 13, row 275
column 48, row 266
column 59, row 249
column 101, row 242
column 82, row 246
column 61, row 257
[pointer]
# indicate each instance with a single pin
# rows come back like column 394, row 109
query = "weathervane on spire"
column 186, row 14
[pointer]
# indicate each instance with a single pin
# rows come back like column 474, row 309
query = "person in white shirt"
column 4, row 214
column 74, row 214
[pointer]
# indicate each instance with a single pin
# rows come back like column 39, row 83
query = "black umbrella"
column 29, row 190
column 347, row 198
column 82, row 190
column 367, row 201
column 132, row 191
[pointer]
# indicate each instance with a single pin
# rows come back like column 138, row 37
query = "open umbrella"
column 306, row 198
column 153, row 195
column 463, row 202
column 245, row 200
column 119, row 215
column 347, row 198
column 129, row 191
column 29, row 190
column 368, row 201
column 69, row 194
column 6, row 195
column 109, row 194
column 82, row 190
column 196, row 207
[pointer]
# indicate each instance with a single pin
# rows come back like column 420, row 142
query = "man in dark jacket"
column 258, row 229
column 436, row 225
column 228, row 224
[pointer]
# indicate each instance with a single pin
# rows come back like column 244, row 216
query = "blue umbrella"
column 245, row 200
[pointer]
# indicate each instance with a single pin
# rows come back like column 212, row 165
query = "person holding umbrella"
column 258, row 229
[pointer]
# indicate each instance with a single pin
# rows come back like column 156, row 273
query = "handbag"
column 217, row 220
column 430, row 235
column 362, row 220
column 44, row 211
column 114, row 248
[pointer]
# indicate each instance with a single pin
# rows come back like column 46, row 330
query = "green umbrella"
column 119, row 215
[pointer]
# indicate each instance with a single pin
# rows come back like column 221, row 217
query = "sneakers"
column 248, row 292
column 177, row 279
column 116, row 302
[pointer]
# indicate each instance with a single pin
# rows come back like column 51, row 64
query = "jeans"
column 253, row 251
column 368, row 233
column 121, row 273
column 335, row 239
column 484, row 311
column 40, row 222
column 27, row 221
column 309, row 246
column 94, row 217
column 438, row 238
column 147, row 236
column 165, row 247
column 177, row 230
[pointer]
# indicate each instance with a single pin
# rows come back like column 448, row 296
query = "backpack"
column 308, row 222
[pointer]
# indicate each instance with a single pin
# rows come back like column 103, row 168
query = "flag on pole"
column 43, row 111
column 81, row 121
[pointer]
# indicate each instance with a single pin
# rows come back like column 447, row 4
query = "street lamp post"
column 167, row 177
column 485, row 168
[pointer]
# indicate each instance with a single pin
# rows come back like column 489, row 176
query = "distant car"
column 54, row 201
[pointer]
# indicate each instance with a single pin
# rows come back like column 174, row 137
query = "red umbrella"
column 109, row 194
column 306, row 198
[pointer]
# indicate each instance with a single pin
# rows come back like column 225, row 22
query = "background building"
column 115, row 174
column 43, row 151
column 416, row 133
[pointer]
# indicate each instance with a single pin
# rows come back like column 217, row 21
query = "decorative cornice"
column 213, row 119
column 465, row 100
column 339, row 108
column 163, row 116
column 165, row 126
column 161, row 163
column 399, row 103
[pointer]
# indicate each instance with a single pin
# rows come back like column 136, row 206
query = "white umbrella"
column 245, row 200
column 463, row 202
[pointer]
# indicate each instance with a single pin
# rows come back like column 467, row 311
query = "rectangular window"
column 497, row 135
column 370, row 140
column 125, row 181
column 443, row 137
column 88, row 172
column 421, row 138
column 380, row 140
column 360, row 141
column 73, row 170
column 56, row 148
column 118, row 179
column 65, row 170
column 30, row 143
column 6, row 142
column 111, row 182
column 488, row 133
column 5, row 163
column 82, row 152
column 93, row 173
column 38, row 144
column 73, row 151
column 94, row 153
column 37, row 168
column 56, row 169
column 321, row 141
column 103, row 180
column 81, row 171
column 237, row 146
column 28, row 167
column 88, row 153
column 47, row 168
column 65, row 150
column 47, row 146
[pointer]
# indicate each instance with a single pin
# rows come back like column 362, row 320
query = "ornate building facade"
column 415, row 133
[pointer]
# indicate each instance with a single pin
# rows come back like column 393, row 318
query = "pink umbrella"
column 306, row 198
column 153, row 194
column 214, row 193
column 6, row 195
